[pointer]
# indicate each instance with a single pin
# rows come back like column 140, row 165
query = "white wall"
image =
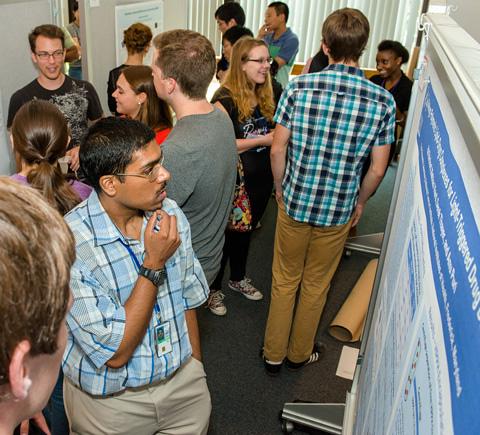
column 467, row 14
column 98, row 44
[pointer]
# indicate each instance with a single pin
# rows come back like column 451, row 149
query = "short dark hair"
column 75, row 6
column 49, row 31
column 396, row 47
column 187, row 57
column 233, row 34
column 280, row 8
column 231, row 10
column 109, row 145
column 345, row 32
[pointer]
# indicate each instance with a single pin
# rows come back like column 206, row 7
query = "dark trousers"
column 259, row 185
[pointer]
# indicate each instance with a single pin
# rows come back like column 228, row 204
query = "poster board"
column 418, row 371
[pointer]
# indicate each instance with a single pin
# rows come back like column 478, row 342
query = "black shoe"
column 317, row 353
column 271, row 369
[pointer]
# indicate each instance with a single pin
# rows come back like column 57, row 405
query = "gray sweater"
column 201, row 155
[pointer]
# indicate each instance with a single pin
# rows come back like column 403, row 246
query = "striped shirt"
column 335, row 118
column 102, row 279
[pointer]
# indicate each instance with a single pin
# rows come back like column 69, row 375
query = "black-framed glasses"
column 150, row 174
column 260, row 60
column 45, row 55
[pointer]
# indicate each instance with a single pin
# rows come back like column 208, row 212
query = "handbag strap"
column 240, row 172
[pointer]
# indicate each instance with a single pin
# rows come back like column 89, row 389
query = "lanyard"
column 135, row 261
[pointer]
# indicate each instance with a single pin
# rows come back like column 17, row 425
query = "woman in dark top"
column 391, row 56
column 136, row 98
column 316, row 63
column 247, row 97
column 137, row 39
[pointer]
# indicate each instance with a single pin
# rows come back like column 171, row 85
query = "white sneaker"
column 246, row 288
column 215, row 303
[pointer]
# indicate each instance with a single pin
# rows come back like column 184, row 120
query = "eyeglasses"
column 45, row 55
column 260, row 60
column 150, row 174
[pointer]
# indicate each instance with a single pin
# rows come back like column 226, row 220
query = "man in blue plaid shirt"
column 327, row 124
column 132, row 363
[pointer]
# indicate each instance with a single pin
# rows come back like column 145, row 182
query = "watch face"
column 156, row 276
column 159, row 276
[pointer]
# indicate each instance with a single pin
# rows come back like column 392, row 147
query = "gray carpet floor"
column 245, row 400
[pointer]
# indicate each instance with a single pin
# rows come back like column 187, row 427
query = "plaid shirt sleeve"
column 386, row 134
column 284, row 112
column 97, row 323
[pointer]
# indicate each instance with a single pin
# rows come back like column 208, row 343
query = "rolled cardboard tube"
column 347, row 326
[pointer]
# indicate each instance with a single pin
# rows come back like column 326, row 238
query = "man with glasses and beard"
column 132, row 364
column 76, row 99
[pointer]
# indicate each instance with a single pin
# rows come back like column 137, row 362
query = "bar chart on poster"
column 420, row 369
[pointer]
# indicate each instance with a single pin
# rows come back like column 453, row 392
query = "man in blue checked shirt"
column 327, row 125
column 132, row 363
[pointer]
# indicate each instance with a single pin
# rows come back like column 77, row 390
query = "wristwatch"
column 156, row 276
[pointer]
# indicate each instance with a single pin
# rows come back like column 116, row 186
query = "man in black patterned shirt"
column 76, row 99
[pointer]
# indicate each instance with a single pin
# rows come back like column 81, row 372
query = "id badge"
column 163, row 341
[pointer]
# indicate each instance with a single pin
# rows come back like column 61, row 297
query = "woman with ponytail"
column 40, row 137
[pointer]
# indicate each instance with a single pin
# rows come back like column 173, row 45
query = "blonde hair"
column 187, row 57
column 241, row 88
column 37, row 250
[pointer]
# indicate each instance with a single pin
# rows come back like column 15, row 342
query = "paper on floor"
column 348, row 360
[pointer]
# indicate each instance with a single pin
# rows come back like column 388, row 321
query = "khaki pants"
column 305, row 259
column 179, row 405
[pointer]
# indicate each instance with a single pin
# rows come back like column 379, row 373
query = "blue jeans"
column 55, row 411
column 75, row 72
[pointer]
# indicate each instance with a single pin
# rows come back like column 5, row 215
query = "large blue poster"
column 454, row 242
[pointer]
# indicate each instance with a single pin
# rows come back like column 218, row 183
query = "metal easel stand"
column 370, row 244
column 324, row 416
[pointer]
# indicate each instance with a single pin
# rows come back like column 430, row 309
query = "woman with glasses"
column 247, row 97
column 40, row 137
column 136, row 39
column 137, row 99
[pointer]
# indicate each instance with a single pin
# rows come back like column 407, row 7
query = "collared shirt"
column 102, row 279
column 286, row 47
column 335, row 118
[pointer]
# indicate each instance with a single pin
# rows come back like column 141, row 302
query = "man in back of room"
column 282, row 42
column 228, row 15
